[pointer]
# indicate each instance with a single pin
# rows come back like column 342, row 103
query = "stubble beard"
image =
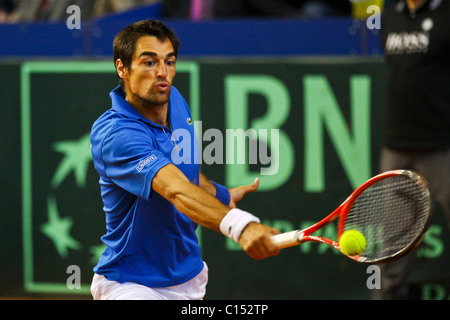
column 154, row 99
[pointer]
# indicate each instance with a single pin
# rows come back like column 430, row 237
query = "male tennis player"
column 153, row 206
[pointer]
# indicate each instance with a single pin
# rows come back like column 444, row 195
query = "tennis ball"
column 352, row 243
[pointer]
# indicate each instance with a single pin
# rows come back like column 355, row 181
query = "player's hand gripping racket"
column 391, row 210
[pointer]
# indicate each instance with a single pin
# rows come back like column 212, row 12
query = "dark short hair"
column 125, row 41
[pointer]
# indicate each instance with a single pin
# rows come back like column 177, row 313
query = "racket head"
column 392, row 211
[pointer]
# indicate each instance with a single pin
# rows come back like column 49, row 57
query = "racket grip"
column 287, row 239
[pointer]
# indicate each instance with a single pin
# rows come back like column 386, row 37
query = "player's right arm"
column 203, row 208
column 132, row 162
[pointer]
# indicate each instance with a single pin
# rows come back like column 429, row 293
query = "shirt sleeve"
column 131, row 159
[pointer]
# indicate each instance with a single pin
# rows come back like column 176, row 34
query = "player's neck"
column 156, row 113
column 415, row 5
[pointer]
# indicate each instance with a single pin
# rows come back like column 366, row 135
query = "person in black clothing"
column 416, row 42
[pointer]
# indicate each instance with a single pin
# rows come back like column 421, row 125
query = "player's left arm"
column 236, row 194
column 203, row 208
column 206, row 185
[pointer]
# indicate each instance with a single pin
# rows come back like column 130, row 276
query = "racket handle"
column 287, row 239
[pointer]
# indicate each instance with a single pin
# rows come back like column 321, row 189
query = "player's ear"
column 122, row 70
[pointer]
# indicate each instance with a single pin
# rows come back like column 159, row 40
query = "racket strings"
column 391, row 215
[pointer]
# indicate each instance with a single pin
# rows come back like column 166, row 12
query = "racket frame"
column 297, row 237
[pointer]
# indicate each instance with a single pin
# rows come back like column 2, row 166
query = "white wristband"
column 235, row 221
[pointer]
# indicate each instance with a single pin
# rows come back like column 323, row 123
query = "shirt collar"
column 123, row 106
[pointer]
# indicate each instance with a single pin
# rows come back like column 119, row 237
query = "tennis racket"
column 391, row 210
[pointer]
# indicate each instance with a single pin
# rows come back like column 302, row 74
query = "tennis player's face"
column 152, row 71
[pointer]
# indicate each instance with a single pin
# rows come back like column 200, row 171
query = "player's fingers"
column 242, row 190
column 252, row 187
column 256, row 240
column 262, row 248
column 236, row 194
column 270, row 249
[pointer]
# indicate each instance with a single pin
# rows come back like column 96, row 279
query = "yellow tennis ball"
column 352, row 243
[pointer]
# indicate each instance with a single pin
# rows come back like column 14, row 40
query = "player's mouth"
column 162, row 86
